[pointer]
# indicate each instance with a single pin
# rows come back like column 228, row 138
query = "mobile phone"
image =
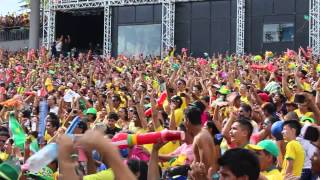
column 299, row 98
column 312, row 134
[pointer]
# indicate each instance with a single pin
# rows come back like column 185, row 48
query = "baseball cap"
column 267, row 145
column 9, row 171
column 224, row 90
column 304, row 119
column 91, row 111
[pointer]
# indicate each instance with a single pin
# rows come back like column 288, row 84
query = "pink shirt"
column 186, row 150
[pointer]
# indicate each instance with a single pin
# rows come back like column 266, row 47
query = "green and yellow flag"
column 18, row 134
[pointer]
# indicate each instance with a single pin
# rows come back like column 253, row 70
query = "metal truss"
column 48, row 25
column 52, row 27
column 77, row 4
column 45, row 29
column 167, row 25
column 240, row 26
column 132, row 2
column 314, row 26
column 107, row 43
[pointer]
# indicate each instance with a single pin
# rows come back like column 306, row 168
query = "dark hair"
column 245, row 124
column 26, row 113
column 183, row 81
column 182, row 127
column 178, row 99
column 269, row 107
column 199, row 87
column 282, row 97
column 11, row 141
column 125, row 113
column 272, row 119
column 246, row 107
column 4, row 129
column 199, row 105
column 138, row 166
column 54, row 120
column 6, row 134
column 247, row 164
column 206, row 99
column 116, row 97
column 193, row 114
column 82, row 125
column 113, row 115
column 53, row 116
column 211, row 125
column 293, row 124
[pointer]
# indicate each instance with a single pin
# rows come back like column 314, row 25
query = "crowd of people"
column 10, row 21
column 244, row 117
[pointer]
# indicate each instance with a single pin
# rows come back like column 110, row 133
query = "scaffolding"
column 314, row 26
column 167, row 22
column 107, row 43
column 240, row 26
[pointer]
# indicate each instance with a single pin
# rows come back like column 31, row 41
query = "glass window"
column 278, row 32
column 136, row 39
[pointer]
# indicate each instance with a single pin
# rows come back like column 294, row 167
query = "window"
column 278, row 32
column 136, row 39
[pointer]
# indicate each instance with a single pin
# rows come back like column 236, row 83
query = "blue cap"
column 276, row 130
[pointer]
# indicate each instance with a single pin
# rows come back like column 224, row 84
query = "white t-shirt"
column 309, row 149
column 59, row 46
column 54, row 109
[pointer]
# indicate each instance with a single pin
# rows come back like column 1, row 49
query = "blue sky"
column 9, row 6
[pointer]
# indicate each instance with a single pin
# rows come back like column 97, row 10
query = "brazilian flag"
column 19, row 136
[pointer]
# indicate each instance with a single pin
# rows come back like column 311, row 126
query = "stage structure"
column 241, row 13
column 167, row 24
column 314, row 26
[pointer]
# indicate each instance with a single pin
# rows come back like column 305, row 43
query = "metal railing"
column 14, row 34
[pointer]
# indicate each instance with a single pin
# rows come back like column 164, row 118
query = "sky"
column 9, row 6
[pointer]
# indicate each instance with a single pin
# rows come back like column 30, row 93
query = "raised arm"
column 109, row 153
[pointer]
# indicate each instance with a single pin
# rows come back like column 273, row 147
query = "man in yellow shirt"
column 294, row 156
column 267, row 152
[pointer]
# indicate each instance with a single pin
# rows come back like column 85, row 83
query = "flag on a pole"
column 18, row 134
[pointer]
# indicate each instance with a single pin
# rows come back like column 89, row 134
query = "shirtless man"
column 203, row 145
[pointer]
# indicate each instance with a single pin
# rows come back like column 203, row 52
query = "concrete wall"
column 15, row 45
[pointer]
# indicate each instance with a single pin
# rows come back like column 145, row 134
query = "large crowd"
column 10, row 21
column 243, row 117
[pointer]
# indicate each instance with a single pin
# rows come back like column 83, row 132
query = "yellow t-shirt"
column 135, row 129
column 273, row 174
column 244, row 99
column 115, row 109
column 308, row 114
column 307, row 87
column 179, row 116
column 295, row 152
column 102, row 175
column 47, row 137
column 183, row 105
